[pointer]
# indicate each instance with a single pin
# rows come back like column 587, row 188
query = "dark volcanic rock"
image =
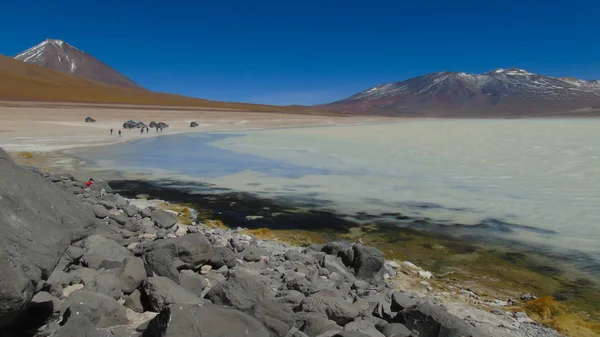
column 222, row 256
column 32, row 210
column 133, row 301
column 430, row 320
column 79, row 325
column 100, row 211
column 395, row 330
column 368, row 263
column 98, row 250
column 276, row 317
column 336, row 308
column 314, row 324
column 192, row 282
column 242, row 290
column 159, row 262
column 161, row 292
column 204, row 321
column 163, row 219
column 103, row 311
column 165, row 257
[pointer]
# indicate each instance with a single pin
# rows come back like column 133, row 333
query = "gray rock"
column 100, row 184
column 100, row 211
column 291, row 297
column 403, row 300
column 79, row 325
column 276, row 317
column 83, row 275
column 133, row 301
column 336, row 308
column 192, row 282
column 204, row 321
column 430, row 320
column 119, row 218
column 161, row 292
column 131, row 274
column 107, row 283
column 130, row 210
column 368, row 263
column 395, row 330
column 107, row 204
column 242, row 290
column 252, row 254
column 333, row 248
column 98, row 249
column 146, row 213
column 236, row 244
column 159, row 262
column 103, row 311
column 188, row 252
column 42, row 308
column 363, row 326
column 163, row 219
column 314, row 324
column 302, row 285
column 222, row 256
column 33, row 210
column 334, row 265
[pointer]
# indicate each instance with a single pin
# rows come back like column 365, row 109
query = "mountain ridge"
column 500, row 92
column 61, row 56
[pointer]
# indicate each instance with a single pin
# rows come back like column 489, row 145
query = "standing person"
column 119, row 133
column 142, row 131
column 146, row 129
column 111, row 131
column 157, row 129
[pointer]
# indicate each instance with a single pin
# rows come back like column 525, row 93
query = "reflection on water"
column 537, row 181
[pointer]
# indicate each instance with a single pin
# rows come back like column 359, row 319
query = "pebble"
column 69, row 289
column 205, row 269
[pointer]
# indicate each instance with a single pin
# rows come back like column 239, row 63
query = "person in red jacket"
column 89, row 182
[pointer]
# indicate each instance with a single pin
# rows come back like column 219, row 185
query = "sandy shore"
column 42, row 127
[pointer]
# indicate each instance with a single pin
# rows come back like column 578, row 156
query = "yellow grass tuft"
column 549, row 311
column 215, row 224
column 261, row 233
column 182, row 210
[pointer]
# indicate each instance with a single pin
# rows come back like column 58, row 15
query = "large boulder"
column 204, row 321
column 188, row 252
column 161, row 292
column 79, row 325
column 192, row 282
column 103, row 311
column 276, row 317
column 100, row 251
column 242, row 289
column 368, row 263
column 38, row 221
column 335, row 307
column 430, row 320
column 163, row 219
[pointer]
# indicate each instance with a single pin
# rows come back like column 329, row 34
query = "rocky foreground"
column 87, row 262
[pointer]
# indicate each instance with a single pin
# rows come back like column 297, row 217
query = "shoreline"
column 428, row 248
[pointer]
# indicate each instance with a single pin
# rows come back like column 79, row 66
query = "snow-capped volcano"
column 500, row 92
column 61, row 56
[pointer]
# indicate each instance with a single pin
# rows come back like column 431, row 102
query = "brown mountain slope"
column 61, row 56
column 21, row 81
column 499, row 93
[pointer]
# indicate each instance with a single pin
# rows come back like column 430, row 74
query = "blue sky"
column 309, row 52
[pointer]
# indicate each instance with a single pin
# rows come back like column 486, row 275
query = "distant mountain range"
column 498, row 93
column 61, row 56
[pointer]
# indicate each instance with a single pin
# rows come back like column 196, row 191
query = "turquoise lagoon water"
column 531, row 181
